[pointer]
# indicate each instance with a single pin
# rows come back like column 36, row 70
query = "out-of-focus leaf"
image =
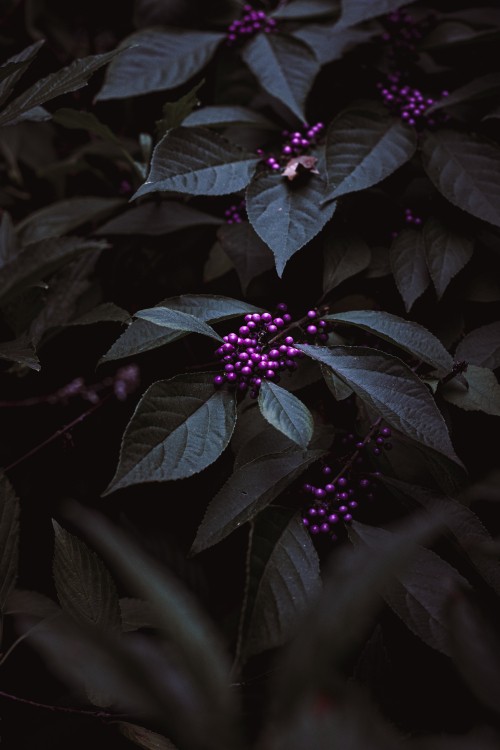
column 156, row 219
column 9, row 540
column 481, row 346
column 248, row 253
column 13, row 68
column 62, row 217
column 144, row 738
column 344, row 257
column 21, row 351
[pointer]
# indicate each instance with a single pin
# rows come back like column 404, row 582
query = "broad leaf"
column 106, row 312
column 248, row 491
column 13, row 68
column 68, row 79
column 144, row 738
column 286, row 413
column 330, row 43
column 477, row 89
column 355, row 11
column 465, row 168
column 304, row 9
column 336, row 386
column 142, row 336
column 408, row 263
column 420, row 594
column 224, row 115
column 174, row 113
column 391, row 389
column 446, row 253
column 177, row 321
column 9, row 539
column 158, row 60
column 156, row 219
column 21, row 351
column 63, row 216
column 198, row 162
column 363, row 147
column 287, row 215
column 344, row 256
column 283, row 581
column 248, row 253
column 179, row 427
column 481, row 346
column 483, row 393
column 405, row 334
column 285, row 67
column 84, row 586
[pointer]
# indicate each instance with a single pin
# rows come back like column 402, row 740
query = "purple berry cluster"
column 295, row 144
column 402, row 34
column 252, row 22
column 411, row 219
column 262, row 349
column 235, row 213
column 409, row 103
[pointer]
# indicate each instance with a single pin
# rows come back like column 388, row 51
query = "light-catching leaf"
column 154, row 219
column 406, row 334
column 481, row 346
column 446, row 253
column 285, row 67
column 177, row 321
column 391, row 389
column 13, row 68
column 356, row 11
column 84, row 585
column 409, row 267
column 179, row 427
column 363, row 147
column 287, row 215
column 63, row 216
column 21, row 351
column 224, row 115
column 144, row 738
column 284, row 579
column 343, row 257
column 304, row 9
column 198, row 162
column 9, row 539
column 483, row 393
column 158, row 60
column 465, row 168
column 330, row 43
column 286, row 413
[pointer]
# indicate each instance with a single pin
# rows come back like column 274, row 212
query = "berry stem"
column 64, row 709
column 345, row 468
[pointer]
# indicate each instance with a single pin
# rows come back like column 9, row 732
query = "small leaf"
column 286, row 413
column 344, row 256
column 284, row 579
column 406, row 334
column 483, row 393
column 355, row 11
column 107, row 312
column 446, row 253
column 248, row 491
column 155, row 219
column 285, row 67
column 391, row 389
column 285, row 215
column 408, row 263
column 179, row 427
column 248, row 253
column 77, row 120
column 84, row 586
column 175, row 113
column 465, row 168
column 21, row 351
column 177, row 321
column 364, row 146
column 144, row 738
column 9, row 540
column 224, row 115
column 158, row 60
column 13, row 68
column 198, row 162
column 481, row 346
column 477, row 89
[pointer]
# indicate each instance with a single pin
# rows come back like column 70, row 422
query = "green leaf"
column 391, row 389
column 284, row 579
column 406, row 334
column 331, row 42
column 483, row 393
column 179, row 427
column 64, row 81
column 13, row 68
column 286, row 413
column 446, row 253
column 142, row 336
column 174, row 113
column 144, row 738
column 248, row 491
column 21, row 351
column 177, row 321
column 287, row 215
column 248, row 253
column 84, row 585
column 198, row 162
column 154, row 219
column 344, row 256
column 62, row 217
column 356, row 11
column 465, row 168
column 224, row 115
column 409, row 267
column 481, row 346
column 9, row 539
column 364, row 146
column 477, row 89
column 158, row 60
column 285, row 67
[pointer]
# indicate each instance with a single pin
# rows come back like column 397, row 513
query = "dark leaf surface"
column 408, row 263
column 481, row 346
column 482, row 394
column 446, row 253
column 248, row 253
column 344, row 257
column 9, row 539
column 286, row 413
column 156, row 219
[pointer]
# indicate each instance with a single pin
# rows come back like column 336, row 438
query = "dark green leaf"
column 343, row 257
column 305, row 9
column 13, row 68
column 144, row 738
column 363, row 147
column 84, row 586
column 336, row 386
column 248, row 491
column 158, row 60
column 198, row 162
column 107, row 312
column 286, row 413
column 223, row 115
column 330, row 43
column 78, row 120
column 218, row 264
column 481, row 346
column 248, row 253
column 157, row 219
column 408, row 263
column 21, row 351
column 179, row 427
column 174, row 113
column 287, row 215
column 142, row 336
column 177, row 321
column 283, row 579
column 285, row 67
column 477, row 89
column 465, row 168
column 61, row 217
column 406, row 334
column 391, row 389
column 446, row 253
column 9, row 246
column 483, row 393
column 9, row 539
column 355, row 11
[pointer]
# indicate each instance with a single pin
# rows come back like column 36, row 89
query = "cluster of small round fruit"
column 252, row 22
column 234, row 214
column 262, row 348
column 409, row 103
column 295, row 144
column 403, row 33
column 409, row 218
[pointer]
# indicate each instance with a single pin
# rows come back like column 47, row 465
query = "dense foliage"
column 249, row 337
